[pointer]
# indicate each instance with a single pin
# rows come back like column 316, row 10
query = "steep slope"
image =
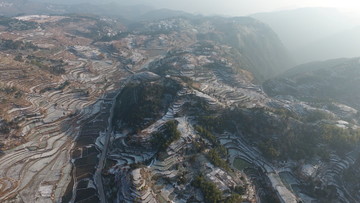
column 342, row 44
column 257, row 46
column 334, row 80
column 59, row 81
column 254, row 46
column 181, row 129
column 328, row 91
column 170, row 110
column 197, row 109
column 299, row 29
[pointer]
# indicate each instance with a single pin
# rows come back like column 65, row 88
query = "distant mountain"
column 253, row 45
column 161, row 14
column 105, row 8
column 333, row 80
column 16, row 7
column 111, row 9
column 259, row 48
column 299, row 29
column 343, row 44
column 74, row 1
column 26, row 7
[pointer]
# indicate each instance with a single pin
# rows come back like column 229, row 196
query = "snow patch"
column 46, row 190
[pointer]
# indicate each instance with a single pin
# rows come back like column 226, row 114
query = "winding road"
column 109, row 133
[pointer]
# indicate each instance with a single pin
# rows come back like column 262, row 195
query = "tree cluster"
column 212, row 194
column 162, row 140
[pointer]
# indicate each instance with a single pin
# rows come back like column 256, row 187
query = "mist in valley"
column 310, row 30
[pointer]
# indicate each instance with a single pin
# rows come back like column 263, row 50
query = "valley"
column 183, row 109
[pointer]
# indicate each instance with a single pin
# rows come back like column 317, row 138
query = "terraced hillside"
column 50, row 94
column 60, row 76
column 225, row 130
column 93, row 110
column 196, row 87
column 328, row 87
column 54, row 86
column 328, row 81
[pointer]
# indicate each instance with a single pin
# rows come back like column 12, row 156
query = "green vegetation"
column 259, row 126
column 60, row 87
column 239, row 190
column 284, row 137
column 11, row 90
column 212, row 194
column 209, row 190
column 6, row 126
column 163, row 69
column 55, row 67
column 190, row 83
column 339, row 139
column 16, row 45
column 310, row 141
column 207, row 135
column 14, row 24
column 147, row 100
column 199, row 146
column 217, row 160
column 169, row 133
column 98, row 30
column 203, row 47
column 269, row 150
column 240, row 164
column 285, row 113
column 8, row 89
column 19, row 58
column 218, row 153
column 234, row 198
column 95, row 31
column 352, row 175
column 4, row 129
column 213, row 123
column 181, row 179
column 317, row 115
column 18, row 94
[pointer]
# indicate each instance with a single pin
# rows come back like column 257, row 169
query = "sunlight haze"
column 246, row 7
column 231, row 7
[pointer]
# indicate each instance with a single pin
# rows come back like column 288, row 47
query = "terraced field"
column 66, row 141
column 156, row 182
column 40, row 169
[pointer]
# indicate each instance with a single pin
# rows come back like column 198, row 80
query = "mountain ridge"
column 299, row 29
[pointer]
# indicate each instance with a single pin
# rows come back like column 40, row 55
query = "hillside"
column 331, row 81
column 345, row 43
column 258, row 48
column 64, row 78
column 303, row 30
column 103, row 109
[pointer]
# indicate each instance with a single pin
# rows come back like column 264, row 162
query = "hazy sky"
column 245, row 7
column 234, row 7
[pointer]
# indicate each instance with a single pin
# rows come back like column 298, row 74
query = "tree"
column 163, row 139
column 19, row 58
column 234, row 198
column 209, row 190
